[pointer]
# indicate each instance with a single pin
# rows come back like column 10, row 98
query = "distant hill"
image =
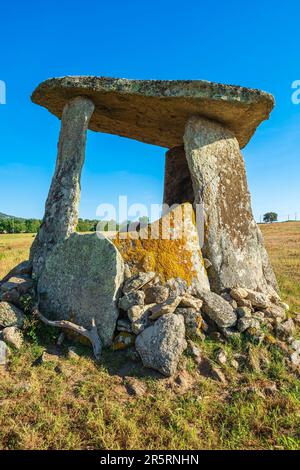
column 6, row 216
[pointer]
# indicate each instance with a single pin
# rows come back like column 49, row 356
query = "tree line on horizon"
column 18, row 225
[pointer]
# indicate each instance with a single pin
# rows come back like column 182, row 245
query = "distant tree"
column 270, row 217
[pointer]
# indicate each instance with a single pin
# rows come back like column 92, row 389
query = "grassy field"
column 77, row 404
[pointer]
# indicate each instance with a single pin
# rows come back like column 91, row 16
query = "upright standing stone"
column 178, row 187
column 61, row 211
column 233, row 242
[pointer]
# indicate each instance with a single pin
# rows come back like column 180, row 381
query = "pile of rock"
column 13, row 291
column 159, row 319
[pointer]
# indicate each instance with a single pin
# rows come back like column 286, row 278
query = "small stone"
column 192, row 349
column 207, row 263
column 137, row 281
column 295, row 344
column 72, row 353
column 284, row 306
column 139, row 313
column 192, row 321
column 13, row 336
column 274, row 311
column 234, row 363
column 244, row 303
column 127, row 272
column 216, row 336
column 164, row 308
column 135, row 387
column 189, row 301
column 295, row 358
column 244, row 323
column 10, row 315
column 229, row 299
column 243, row 312
column 285, row 329
column 260, row 316
column 44, row 358
column 124, row 325
column 3, row 353
column 142, row 322
column 123, row 341
column 161, row 345
column 258, row 299
column 238, row 293
column 156, row 294
column 21, row 283
column 218, row 309
column 222, row 357
column 131, row 299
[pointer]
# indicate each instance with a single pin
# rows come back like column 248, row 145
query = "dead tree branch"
column 91, row 335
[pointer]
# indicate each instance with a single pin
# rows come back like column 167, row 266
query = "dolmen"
column 80, row 277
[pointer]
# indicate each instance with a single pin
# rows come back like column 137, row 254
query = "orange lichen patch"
column 172, row 253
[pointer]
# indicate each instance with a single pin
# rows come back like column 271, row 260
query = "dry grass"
column 68, row 404
column 283, row 245
column 13, row 249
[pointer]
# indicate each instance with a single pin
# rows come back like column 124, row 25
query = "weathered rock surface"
column 156, row 294
column 3, row 353
column 10, row 315
column 238, row 293
column 178, row 187
column 192, row 321
column 166, row 106
column 233, row 242
column 62, row 205
column 258, row 299
column 140, row 320
column 161, row 345
column 190, row 301
column 165, row 308
column 13, row 336
column 137, row 281
column 131, row 299
column 169, row 247
column 218, row 310
column 81, row 281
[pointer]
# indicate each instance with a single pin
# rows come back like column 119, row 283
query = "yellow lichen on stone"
column 174, row 253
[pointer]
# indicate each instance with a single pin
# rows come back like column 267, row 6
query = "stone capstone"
column 156, row 111
column 161, row 345
column 81, row 281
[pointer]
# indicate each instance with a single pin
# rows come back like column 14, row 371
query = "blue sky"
column 253, row 44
